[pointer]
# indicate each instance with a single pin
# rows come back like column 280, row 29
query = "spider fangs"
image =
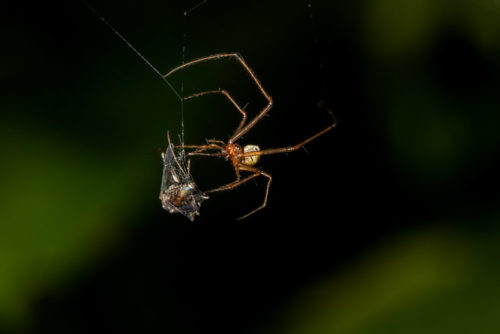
column 243, row 159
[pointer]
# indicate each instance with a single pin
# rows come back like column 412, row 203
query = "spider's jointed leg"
column 202, row 148
column 258, row 172
column 215, row 141
column 285, row 149
column 233, row 184
column 255, row 173
column 241, row 130
column 230, row 98
column 289, row 148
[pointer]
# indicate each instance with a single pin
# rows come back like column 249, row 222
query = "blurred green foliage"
column 59, row 206
column 437, row 280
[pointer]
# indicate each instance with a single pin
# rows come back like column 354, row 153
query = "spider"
column 244, row 158
column 178, row 191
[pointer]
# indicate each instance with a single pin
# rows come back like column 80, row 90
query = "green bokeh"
column 432, row 280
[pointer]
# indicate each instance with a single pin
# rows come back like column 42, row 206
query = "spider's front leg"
column 230, row 98
column 199, row 149
column 233, row 184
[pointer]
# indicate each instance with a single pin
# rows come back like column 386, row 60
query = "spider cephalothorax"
column 243, row 159
column 234, row 152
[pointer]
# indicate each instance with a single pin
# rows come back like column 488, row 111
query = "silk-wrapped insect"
column 179, row 193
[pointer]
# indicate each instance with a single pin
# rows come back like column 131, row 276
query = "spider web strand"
column 132, row 47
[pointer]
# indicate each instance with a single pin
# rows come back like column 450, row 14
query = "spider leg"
column 216, row 141
column 246, row 128
column 190, row 146
column 233, row 184
column 237, row 172
column 321, row 104
column 205, row 154
column 201, row 148
column 255, row 173
column 230, row 98
column 258, row 172
column 288, row 148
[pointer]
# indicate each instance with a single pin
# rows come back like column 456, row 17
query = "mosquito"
column 243, row 158
column 179, row 192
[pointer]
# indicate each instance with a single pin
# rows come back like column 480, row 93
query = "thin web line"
column 183, row 60
column 184, row 38
column 132, row 47
column 198, row 5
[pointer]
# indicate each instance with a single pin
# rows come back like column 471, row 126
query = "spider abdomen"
column 252, row 159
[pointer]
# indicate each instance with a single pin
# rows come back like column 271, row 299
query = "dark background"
column 387, row 224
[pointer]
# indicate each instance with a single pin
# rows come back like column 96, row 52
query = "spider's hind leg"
column 258, row 172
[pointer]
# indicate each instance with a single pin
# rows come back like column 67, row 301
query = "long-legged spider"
column 243, row 159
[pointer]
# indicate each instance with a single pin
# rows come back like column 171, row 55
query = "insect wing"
column 171, row 169
column 178, row 191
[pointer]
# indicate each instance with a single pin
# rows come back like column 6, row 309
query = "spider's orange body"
column 232, row 151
